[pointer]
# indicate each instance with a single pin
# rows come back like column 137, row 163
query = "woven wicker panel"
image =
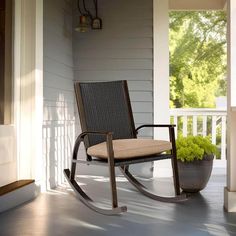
column 105, row 109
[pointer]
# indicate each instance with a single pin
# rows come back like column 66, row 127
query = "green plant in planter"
column 194, row 148
column 195, row 160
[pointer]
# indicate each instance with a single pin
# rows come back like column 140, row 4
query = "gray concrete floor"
column 58, row 212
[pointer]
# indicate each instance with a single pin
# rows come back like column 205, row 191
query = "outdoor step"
column 14, row 185
column 16, row 193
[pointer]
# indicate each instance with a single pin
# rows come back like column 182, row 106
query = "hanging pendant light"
column 83, row 25
column 96, row 22
column 86, row 20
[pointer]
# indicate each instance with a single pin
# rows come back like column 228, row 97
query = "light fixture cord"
column 88, row 12
column 96, row 7
column 78, row 6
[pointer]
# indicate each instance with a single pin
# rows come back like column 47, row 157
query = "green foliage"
column 197, row 58
column 194, row 148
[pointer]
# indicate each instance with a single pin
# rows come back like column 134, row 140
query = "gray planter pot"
column 194, row 175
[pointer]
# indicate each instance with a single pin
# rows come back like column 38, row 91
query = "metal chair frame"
column 123, row 164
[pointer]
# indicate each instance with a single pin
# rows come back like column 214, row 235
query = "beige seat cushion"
column 130, row 148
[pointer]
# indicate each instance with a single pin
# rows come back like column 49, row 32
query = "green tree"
column 197, row 58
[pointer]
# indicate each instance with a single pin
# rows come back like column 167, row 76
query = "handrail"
column 195, row 111
column 202, row 121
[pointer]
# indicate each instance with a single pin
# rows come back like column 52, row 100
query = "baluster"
column 185, row 126
column 213, row 130
column 176, row 123
column 194, row 125
column 204, row 126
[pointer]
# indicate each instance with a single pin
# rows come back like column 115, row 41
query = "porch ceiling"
column 197, row 5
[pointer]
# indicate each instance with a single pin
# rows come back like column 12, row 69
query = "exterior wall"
column 58, row 124
column 122, row 50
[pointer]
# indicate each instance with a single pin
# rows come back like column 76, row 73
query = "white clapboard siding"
column 114, row 64
column 122, row 50
column 140, row 85
column 60, row 69
column 144, row 86
column 107, row 75
column 57, row 82
column 131, row 23
column 55, row 41
column 52, row 52
column 111, row 43
column 58, row 126
column 131, row 4
column 141, row 96
column 121, row 32
column 143, row 118
column 141, row 107
column 53, row 94
column 121, row 11
column 115, row 53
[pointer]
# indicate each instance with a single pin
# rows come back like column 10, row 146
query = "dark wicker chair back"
column 105, row 107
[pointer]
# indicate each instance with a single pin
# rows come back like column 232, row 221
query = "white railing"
column 202, row 121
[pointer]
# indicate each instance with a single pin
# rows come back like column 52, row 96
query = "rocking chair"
column 110, row 139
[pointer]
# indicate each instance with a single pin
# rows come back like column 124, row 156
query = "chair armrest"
column 101, row 133
column 171, row 132
column 154, row 125
column 109, row 144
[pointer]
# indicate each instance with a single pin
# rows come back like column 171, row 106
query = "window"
column 5, row 61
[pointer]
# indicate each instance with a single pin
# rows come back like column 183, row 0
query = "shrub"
column 194, row 148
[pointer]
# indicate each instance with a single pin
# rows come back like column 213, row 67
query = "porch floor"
column 58, row 212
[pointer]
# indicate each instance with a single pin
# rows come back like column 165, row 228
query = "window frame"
column 6, row 79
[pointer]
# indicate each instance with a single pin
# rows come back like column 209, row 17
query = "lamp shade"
column 83, row 25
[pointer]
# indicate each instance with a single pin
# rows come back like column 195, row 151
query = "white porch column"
column 230, row 189
column 161, row 77
column 28, row 61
